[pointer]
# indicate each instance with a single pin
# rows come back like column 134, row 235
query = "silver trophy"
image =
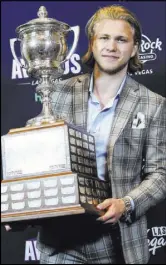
column 44, row 50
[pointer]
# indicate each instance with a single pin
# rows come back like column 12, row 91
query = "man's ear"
column 135, row 49
column 91, row 43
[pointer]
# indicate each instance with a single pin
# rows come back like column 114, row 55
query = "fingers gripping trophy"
column 49, row 166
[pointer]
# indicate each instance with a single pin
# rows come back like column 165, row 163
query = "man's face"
column 113, row 45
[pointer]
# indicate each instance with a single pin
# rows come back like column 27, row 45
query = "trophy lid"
column 43, row 20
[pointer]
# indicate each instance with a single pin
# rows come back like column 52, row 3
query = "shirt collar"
column 118, row 92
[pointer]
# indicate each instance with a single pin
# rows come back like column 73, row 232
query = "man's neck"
column 106, row 86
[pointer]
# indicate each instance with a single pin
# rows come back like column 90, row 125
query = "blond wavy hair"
column 114, row 12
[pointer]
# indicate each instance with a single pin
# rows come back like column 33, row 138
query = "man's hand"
column 114, row 210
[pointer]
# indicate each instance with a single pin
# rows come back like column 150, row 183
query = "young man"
column 129, row 125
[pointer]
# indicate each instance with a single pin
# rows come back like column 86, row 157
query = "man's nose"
column 111, row 45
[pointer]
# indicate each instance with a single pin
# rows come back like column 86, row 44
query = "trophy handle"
column 12, row 42
column 76, row 31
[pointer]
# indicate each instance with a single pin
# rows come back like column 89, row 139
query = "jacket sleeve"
column 152, row 189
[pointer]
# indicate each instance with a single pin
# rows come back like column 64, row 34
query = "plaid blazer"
column 136, row 157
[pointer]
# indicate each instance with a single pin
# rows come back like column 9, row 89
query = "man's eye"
column 121, row 40
column 103, row 38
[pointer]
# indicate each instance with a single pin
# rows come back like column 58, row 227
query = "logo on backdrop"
column 148, row 52
column 156, row 238
column 31, row 252
column 148, row 49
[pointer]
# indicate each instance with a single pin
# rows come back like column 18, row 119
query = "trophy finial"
column 42, row 12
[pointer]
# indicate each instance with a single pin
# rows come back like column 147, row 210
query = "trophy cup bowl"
column 44, row 50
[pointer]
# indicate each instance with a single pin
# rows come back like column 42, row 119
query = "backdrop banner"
column 20, row 102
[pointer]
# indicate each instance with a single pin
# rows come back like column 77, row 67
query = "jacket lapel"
column 80, row 100
column 126, row 104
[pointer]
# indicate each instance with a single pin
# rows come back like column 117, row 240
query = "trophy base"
column 41, row 120
column 49, row 171
column 35, row 198
column 37, row 217
column 36, row 127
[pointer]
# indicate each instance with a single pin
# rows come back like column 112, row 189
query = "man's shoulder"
column 73, row 79
column 145, row 91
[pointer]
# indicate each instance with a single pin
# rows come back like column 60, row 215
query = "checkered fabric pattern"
column 126, row 146
column 102, row 251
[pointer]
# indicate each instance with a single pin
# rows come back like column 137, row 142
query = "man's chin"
column 113, row 70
